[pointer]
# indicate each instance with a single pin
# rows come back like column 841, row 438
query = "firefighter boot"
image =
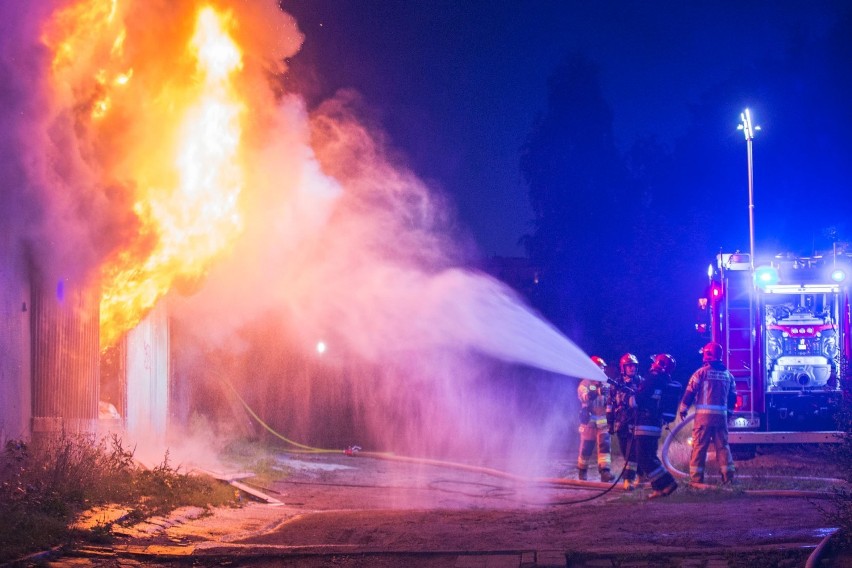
column 667, row 490
column 606, row 476
column 582, row 474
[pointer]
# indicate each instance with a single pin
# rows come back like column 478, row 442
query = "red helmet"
column 663, row 363
column 627, row 359
column 712, row 352
column 599, row 362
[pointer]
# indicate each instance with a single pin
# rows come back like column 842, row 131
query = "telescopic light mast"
column 748, row 130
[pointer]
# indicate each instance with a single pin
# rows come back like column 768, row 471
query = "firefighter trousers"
column 703, row 436
column 594, row 433
column 650, row 464
column 627, row 445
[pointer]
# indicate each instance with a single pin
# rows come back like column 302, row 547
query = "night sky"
column 458, row 85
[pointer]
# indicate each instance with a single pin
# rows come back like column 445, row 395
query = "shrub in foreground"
column 44, row 486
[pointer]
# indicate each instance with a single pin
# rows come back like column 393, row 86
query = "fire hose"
column 813, row 559
column 818, row 552
column 603, row 486
column 357, row 451
column 765, row 492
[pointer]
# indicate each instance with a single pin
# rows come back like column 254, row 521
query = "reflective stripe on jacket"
column 596, row 404
column 649, row 417
column 711, row 388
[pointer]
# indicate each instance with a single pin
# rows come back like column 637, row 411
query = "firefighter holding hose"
column 649, row 401
column 622, row 416
column 713, row 391
column 594, row 398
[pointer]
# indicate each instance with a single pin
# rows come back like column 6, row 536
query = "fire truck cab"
column 784, row 325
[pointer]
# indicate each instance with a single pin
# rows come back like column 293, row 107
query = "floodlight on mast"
column 748, row 130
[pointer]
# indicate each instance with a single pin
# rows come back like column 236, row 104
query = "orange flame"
column 173, row 145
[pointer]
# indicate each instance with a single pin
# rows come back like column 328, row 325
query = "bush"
column 43, row 487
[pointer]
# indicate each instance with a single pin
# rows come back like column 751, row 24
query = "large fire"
column 179, row 130
column 152, row 145
column 172, row 140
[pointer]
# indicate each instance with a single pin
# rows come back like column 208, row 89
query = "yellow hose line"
column 426, row 461
column 268, row 428
column 487, row 470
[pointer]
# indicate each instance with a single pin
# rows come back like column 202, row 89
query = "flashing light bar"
column 801, row 289
column 765, row 276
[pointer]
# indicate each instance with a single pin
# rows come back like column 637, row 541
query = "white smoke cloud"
column 348, row 247
column 342, row 243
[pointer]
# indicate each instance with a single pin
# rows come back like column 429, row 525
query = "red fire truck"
column 784, row 325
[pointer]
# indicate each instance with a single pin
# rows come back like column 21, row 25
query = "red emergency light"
column 715, row 291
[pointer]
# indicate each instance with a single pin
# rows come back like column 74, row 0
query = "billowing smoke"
column 340, row 245
column 52, row 203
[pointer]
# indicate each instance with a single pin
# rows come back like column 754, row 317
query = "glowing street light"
column 321, row 347
column 749, row 130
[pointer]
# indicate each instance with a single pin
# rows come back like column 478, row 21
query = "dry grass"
column 43, row 487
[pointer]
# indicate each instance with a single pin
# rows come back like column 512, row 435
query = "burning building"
column 123, row 171
column 178, row 229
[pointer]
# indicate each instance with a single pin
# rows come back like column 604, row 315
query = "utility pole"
column 749, row 130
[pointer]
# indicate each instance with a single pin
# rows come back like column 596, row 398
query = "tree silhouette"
column 616, row 238
column 579, row 193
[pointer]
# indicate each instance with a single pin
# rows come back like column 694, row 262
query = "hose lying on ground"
column 552, row 481
column 763, row 492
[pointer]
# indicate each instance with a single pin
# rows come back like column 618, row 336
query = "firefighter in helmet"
column 649, row 423
column 713, row 391
column 594, row 397
column 622, row 416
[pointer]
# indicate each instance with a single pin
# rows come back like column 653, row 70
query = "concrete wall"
column 15, row 372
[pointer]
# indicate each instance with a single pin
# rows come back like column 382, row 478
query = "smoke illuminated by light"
column 166, row 163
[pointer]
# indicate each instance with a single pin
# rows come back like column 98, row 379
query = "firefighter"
column 594, row 398
column 711, row 388
column 649, row 425
column 622, row 416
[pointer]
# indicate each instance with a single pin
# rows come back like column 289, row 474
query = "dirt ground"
column 341, row 510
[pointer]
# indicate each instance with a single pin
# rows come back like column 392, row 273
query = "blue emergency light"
column 838, row 275
column 765, row 276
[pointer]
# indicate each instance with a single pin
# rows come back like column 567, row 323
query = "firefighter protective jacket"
column 714, row 393
column 594, row 396
column 649, row 421
column 623, row 414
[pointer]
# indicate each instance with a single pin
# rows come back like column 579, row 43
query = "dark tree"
column 579, row 194
column 613, row 235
